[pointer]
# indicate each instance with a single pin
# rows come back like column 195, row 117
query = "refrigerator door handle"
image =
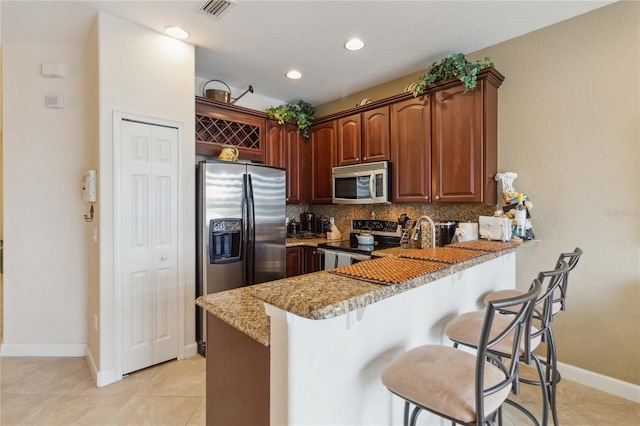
column 251, row 232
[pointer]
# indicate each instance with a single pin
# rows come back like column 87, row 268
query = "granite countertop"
column 317, row 296
column 311, row 242
column 323, row 294
column 240, row 309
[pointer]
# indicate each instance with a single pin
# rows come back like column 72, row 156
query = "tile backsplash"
column 342, row 214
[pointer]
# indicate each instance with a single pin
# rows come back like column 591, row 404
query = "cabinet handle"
column 357, row 159
column 365, row 158
column 426, row 197
column 163, row 257
column 437, row 197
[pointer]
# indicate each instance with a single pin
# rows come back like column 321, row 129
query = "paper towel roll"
column 469, row 231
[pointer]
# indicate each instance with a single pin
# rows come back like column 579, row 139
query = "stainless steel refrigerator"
column 241, row 229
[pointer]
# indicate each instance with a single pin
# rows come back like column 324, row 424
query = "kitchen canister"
column 445, row 231
column 307, row 221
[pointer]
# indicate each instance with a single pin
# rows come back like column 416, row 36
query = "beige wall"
column 568, row 125
column 45, row 268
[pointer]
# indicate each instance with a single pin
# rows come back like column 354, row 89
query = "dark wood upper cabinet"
column 275, row 152
column 375, row 135
column 295, row 146
column 349, row 131
column 464, row 143
column 443, row 145
column 322, row 141
column 411, row 150
column 363, row 137
column 286, row 148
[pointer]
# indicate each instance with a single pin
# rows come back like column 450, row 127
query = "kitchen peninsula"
column 310, row 349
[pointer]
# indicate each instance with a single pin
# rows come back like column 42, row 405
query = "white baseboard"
column 59, row 350
column 191, row 350
column 601, row 382
column 100, row 378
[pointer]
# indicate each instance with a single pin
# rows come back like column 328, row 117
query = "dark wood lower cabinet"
column 294, row 261
column 238, row 369
column 302, row 260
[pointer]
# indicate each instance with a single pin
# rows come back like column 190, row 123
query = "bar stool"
column 459, row 386
column 558, row 303
column 465, row 329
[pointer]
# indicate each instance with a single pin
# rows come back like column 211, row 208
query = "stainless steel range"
column 386, row 234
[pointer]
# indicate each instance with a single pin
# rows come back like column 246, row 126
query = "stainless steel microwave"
column 366, row 183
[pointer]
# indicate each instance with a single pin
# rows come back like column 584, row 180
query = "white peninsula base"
column 327, row 372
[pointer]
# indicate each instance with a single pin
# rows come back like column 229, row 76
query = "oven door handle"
column 360, row 257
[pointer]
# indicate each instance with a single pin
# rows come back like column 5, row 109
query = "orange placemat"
column 441, row 254
column 388, row 270
column 484, row 245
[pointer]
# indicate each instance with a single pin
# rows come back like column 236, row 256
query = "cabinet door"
column 375, row 135
column 349, row 140
column 323, row 147
column 275, row 150
column 411, row 150
column 295, row 163
column 310, row 260
column 294, row 261
column 457, row 145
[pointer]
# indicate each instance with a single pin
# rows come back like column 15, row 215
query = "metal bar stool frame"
column 552, row 375
column 461, row 331
column 407, row 370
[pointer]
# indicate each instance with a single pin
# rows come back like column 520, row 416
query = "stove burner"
column 386, row 234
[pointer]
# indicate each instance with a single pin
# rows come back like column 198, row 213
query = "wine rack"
column 209, row 129
column 218, row 124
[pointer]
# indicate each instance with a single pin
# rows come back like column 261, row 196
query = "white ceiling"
column 257, row 42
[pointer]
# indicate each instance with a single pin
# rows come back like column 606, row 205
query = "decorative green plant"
column 454, row 66
column 301, row 112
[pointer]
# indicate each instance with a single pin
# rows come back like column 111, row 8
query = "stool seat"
column 443, row 379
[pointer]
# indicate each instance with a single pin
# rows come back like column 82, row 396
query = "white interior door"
column 149, row 199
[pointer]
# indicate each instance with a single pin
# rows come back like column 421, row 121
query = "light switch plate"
column 54, row 70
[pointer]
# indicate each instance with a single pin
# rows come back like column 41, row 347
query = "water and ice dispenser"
column 225, row 240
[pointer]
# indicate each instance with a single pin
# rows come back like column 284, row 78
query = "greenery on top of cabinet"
column 454, row 66
column 301, row 112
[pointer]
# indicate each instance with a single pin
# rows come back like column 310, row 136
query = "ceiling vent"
column 216, row 8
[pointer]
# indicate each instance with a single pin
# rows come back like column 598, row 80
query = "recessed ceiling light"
column 354, row 44
column 294, row 75
column 176, row 32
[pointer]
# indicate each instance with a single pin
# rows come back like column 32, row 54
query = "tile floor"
column 61, row 392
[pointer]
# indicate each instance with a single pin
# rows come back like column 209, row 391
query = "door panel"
column 411, row 150
column 269, row 187
column 149, row 244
